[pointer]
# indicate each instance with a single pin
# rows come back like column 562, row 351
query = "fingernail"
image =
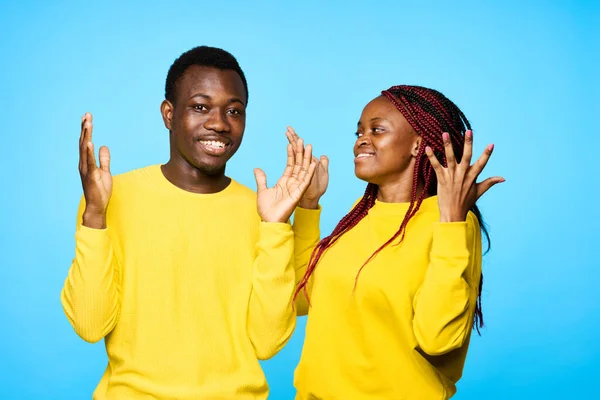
column 427, row 149
column 445, row 136
column 490, row 147
column 502, row 180
column 469, row 134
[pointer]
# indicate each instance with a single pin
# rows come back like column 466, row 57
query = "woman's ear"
column 416, row 145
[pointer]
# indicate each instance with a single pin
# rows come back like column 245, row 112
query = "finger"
column 87, row 117
column 291, row 135
column 468, row 150
column 485, row 185
column 437, row 167
column 82, row 148
column 308, row 160
column 324, row 163
column 85, row 127
column 289, row 167
column 307, row 178
column 480, row 164
column 87, row 160
column 299, row 157
column 105, row 159
column 308, row 157
column 87, row 133
column 89, row 125
column 261, row 179
column 91, row 158
column 82, row 132
column 450, row 160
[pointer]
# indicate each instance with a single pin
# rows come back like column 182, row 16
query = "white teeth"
column 213, row 143
column 363, row 155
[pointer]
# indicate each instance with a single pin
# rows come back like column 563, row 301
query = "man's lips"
column 214, row 146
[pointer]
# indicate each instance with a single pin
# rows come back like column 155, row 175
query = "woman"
column 393, row 293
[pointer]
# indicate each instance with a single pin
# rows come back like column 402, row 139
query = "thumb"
column 485, row 185
column 261, row 179
column 105, row 159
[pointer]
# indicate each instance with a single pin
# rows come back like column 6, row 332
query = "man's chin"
column 210, row 169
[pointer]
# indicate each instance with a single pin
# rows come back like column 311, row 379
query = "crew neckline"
column 380, row 207
column 167, row 185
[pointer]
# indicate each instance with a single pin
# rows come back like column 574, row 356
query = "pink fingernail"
column 490, row 147
column 469, row 134
column 445, row 136
column 427, row 149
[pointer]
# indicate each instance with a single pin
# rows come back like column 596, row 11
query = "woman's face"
column 386, row 144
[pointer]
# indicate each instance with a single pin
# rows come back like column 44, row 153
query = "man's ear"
column 166, row 110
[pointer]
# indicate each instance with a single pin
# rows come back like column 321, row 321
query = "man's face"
column 208, row 118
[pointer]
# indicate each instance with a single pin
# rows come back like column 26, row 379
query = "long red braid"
column 430, row 114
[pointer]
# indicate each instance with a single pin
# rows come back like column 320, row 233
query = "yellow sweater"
column 190, row 291
column 404, row 332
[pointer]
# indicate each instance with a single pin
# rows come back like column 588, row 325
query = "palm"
column 276, row 204
column 279, row 199
column 318, row 184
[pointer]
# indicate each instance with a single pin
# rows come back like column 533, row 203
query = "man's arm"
column 271, row 318
column 90, row 296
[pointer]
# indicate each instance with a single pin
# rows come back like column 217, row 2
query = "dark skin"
column 385, row 154
column 206, row 126
column 210, row 106
column 385, row 150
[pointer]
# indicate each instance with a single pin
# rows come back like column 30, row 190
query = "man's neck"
column 193, row 180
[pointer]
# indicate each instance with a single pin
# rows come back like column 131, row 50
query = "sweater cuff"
column 450, row 240
column 274, row 233
column 92, row 240
column 306, row 222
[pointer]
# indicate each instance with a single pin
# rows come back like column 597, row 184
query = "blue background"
column 525, row 74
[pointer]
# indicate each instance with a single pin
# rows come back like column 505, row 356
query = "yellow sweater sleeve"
column 271, row 318
column 90, row 295
column 444, row 305
column 306, row 237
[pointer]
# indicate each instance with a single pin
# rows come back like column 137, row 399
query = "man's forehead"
column 211, row 82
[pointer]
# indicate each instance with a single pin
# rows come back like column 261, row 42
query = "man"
column 188, row 285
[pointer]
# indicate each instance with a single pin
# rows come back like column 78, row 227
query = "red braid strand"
column 430, row 114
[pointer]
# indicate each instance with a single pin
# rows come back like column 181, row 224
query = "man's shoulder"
column 136, row 177
column 137, row 174
column 134, row 182
column 242, row 191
